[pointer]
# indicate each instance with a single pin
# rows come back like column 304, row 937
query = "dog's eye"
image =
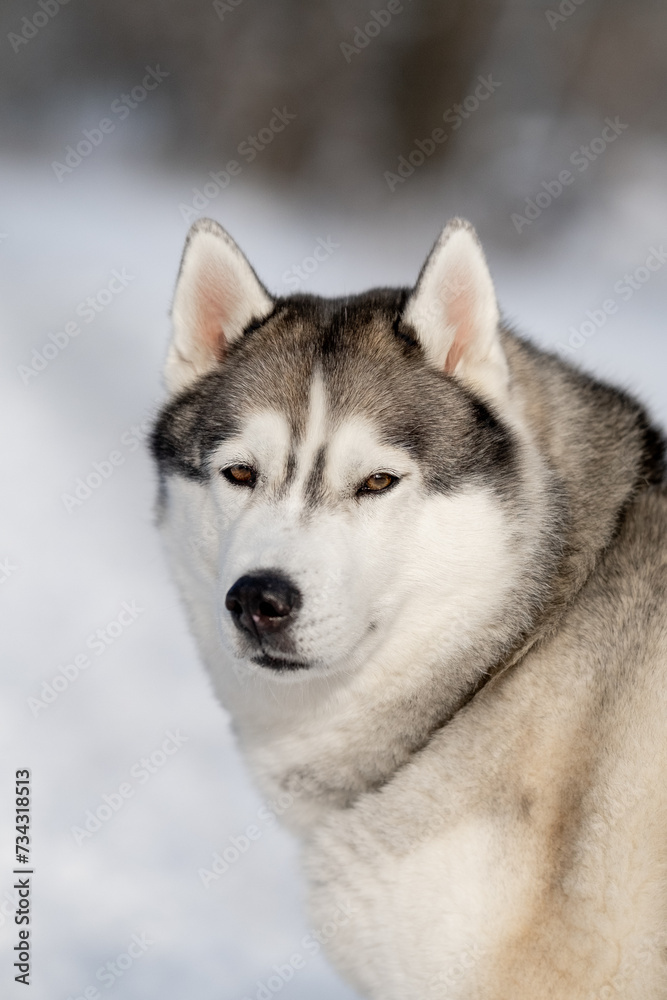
column 240, row 475
column 378, row 482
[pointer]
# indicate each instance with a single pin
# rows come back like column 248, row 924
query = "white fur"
column 438, row 902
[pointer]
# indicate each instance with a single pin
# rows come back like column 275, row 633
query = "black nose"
column 262, row 603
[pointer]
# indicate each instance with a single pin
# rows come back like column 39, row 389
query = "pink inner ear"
column 214, row 305
column 457, row 295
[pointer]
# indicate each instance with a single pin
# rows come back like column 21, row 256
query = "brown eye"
column 240, row 475
column 378, row 482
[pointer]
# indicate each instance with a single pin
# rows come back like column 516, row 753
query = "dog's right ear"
column 217, row 295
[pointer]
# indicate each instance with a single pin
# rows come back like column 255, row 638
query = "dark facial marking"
column 314, row 489
column 290, row 469
column 186, row 429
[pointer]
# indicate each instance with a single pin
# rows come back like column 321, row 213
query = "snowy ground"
column 70, row 567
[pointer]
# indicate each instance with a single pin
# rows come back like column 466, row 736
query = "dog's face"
column 335, row 471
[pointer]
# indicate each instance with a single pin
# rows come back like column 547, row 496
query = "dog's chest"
column 403, row 920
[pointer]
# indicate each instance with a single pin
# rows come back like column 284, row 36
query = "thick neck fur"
column 586, row 452
column 603, row 449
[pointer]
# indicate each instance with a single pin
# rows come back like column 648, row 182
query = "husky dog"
column 426, row 567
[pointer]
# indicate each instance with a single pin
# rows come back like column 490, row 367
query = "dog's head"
column 339, row 473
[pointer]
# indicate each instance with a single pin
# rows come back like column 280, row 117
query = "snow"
column 75, row 569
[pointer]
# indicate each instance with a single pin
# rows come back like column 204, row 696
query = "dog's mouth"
column 264, row 659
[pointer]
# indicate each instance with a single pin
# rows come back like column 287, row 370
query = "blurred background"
column 355, row 128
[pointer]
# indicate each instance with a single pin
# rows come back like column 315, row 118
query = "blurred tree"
column 364, row 80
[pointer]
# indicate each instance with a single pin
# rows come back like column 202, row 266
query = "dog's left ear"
column 454, row 312
column 217, row 296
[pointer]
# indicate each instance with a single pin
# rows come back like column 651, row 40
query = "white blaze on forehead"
column 315, row 435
